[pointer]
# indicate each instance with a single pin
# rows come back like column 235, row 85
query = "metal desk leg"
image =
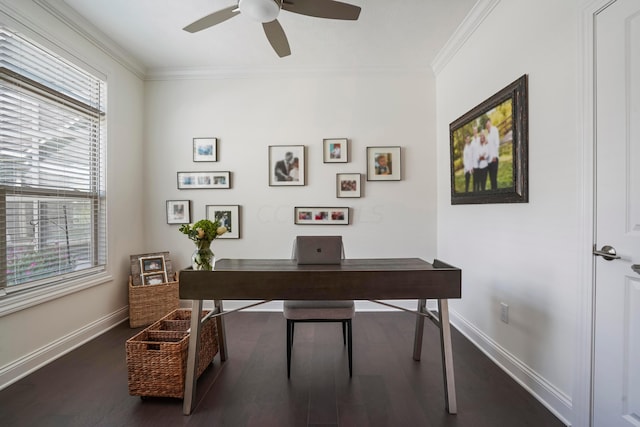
column 192, row 356
column 447, row 357
column 417, row 340
column 222, row 333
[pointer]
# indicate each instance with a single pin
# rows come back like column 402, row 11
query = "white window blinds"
column 52, row 184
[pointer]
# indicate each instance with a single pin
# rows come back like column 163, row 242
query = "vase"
column 203, row 257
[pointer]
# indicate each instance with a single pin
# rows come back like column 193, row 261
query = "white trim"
column 73, row 20
column 200, row 73
column 467, row 27
column 29, row 298
column 583, row 368
column 550, row 396
column 33, row 361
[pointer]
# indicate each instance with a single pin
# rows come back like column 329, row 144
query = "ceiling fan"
column 266, row 11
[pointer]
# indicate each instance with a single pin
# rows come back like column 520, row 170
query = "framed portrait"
column 205, row 149
column 384, row 164
column 348, row 185
column 152, row 264
column 178, row 211
column 321, row 215
column 286, row 165
column 488, row 147
column 200, row 180
column 228, row 216
column 335, row 150
column 137, row 266
column 154, row 279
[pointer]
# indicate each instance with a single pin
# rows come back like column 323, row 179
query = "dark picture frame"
column 226, row 215
column 287, row 165
column 384, row 163
column 321, row 215
column 205, row 149
column 335, row 150
column 204, row 180
column 178, row 211
column 348, row 185
column 478, row 176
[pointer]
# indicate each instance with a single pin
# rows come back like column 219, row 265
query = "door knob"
column 607, row 252
column 636, row 268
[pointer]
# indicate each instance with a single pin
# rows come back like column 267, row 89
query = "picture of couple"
column 286, row 165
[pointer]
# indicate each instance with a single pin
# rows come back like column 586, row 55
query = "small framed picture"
column 286, row 165
column 200, row 180
column 178, row 211
column 321, row 216
column 154, row 279
column 205, row 149
column 336, row 150
column 152, row 264
column 228, row 216
column 348, row 185
column 384, row 164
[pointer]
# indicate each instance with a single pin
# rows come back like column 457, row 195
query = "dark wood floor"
column 88, row 387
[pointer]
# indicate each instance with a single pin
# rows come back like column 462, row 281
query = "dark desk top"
column 280, row 279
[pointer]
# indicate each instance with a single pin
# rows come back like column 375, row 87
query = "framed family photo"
column 286, row 165
column 201, row 180
column 321, row 216
column 152, row 264
column 228, row 216
column 348, row 185
column 205, row 149
column 335, row 150
column 488, row 146
column 384, row 164
column 178, row 211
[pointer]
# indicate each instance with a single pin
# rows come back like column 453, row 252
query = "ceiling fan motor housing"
column 260, row 10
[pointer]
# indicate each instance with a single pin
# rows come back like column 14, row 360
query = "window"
column 52, row 183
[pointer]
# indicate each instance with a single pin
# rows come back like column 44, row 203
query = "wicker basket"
column 157, row 356
column 148, row 303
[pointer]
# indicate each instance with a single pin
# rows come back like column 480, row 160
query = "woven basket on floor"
column 148, row 303
column 157, row 356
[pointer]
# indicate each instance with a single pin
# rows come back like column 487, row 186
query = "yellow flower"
column 200, row 233
column 221, row 230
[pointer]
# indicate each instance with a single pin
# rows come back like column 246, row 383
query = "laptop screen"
column 318, row 249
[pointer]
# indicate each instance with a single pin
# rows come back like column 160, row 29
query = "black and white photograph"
column 286, row 165
column 178, row 211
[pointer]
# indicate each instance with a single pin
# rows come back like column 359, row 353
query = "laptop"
column 318, row 249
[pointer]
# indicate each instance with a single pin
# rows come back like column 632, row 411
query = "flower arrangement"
column 202, row 233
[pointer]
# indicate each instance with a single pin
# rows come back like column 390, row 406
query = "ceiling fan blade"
column 276, row 36
column 213, row 19
column 323, row 9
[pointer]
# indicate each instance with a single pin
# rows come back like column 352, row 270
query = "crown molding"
column 212, row 73
column 72, row 19
column 467, row 27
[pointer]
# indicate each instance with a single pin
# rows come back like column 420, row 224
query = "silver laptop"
column 318, row 249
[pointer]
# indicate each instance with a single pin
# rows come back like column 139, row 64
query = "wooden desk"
column 357, row 279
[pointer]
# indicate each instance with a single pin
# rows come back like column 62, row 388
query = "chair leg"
column 344, row 336
column 289, row 343
column 350, row 347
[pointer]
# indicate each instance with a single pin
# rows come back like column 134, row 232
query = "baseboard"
column 549, row 395
column 22, row 367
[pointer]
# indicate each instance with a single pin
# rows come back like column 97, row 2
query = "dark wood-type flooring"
column 88, row 387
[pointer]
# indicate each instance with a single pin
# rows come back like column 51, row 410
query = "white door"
column 616, row 393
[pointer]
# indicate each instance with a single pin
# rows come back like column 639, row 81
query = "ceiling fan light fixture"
column 260, row 10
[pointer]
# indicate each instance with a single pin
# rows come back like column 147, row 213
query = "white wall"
column 34, row 335
column 524, row 255
column 251, row 112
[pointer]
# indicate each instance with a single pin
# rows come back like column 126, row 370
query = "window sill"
column 11, row 303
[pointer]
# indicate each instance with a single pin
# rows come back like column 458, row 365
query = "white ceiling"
column 388, row 34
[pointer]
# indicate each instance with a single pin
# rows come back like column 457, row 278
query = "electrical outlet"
column 504, row 312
